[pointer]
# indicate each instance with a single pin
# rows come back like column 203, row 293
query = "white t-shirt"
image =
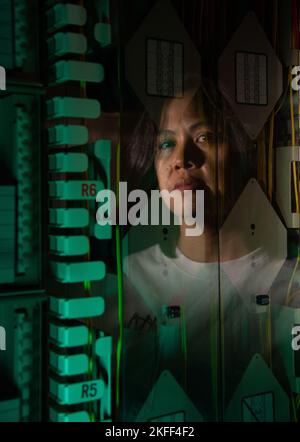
column 161, row 280
column 217, row 303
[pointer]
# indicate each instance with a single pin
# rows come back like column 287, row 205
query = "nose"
column 188, row 155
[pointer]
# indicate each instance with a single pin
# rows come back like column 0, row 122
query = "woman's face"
column 186, row 154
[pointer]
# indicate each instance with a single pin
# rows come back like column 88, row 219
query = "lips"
column 186, row 184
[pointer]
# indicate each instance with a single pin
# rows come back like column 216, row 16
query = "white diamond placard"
column 161, row 61
column 250, row 75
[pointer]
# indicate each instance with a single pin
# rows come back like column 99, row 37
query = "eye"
column 202, row 138
column 166, row 144
column 209, row 137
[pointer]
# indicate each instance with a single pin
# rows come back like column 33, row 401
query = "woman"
column 187, row 283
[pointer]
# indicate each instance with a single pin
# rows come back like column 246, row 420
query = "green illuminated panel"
column 77, row 393
column 67, row 134
column 78, row 271
column 67, row 43
column 102, row 33
column 66, row 14
column 103, row 232
column 60, row 107
column 69, row 217
column 69, row 245
column 78, row 71
column 68, row 162
column 77, row 308
column 69, row 336
column 103, row 349
column 69, row 365
column 102, row 150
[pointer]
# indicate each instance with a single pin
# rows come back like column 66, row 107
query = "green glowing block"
column 78, row 271
column 67, row 134
column 64, row 336
column 65, row 14
column 102, row 33
column 66, row 218
column 103, row 232
column 67, row 43
column 75, row 190
column 69, row 245
column 104, row 346
column 77, row 71
column 68, row 107
column 77, row 308
column 102, row 150
column 76, row 393
column 103, row 350
column 78, row 416
column 69, row 365
column 68, row 162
